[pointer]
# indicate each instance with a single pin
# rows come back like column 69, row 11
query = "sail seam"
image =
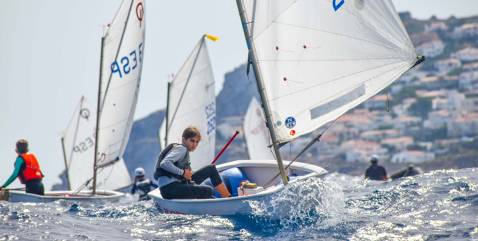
column 371, row 27
column 330, row 60
column 338, row 34
column 334, row 79
column 271, row 22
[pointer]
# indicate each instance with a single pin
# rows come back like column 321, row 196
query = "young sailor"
column 27, row 169
column 142, row 184
column 176, row 180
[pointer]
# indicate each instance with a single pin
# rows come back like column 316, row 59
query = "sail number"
column 337, row 4
column 128, row 63
column 211, row 117
column 84, row 145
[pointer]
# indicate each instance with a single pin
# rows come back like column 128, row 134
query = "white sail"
column 79, row 145
column 320, row 58
column 162, row 134
column 123, row 46
column 256, row 133
column 192, row 103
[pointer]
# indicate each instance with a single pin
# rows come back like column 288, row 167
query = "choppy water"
column 441, row 205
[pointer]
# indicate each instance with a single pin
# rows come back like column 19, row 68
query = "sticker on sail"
column 140, row 13
column 337, row 4
column 85, row 113
column 290, row 122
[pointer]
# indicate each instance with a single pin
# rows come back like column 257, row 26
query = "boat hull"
column 83, row 196
column 240, row 205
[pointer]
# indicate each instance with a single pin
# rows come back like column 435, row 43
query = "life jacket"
column 181, row 164
column 376, row 172
column 32, row 168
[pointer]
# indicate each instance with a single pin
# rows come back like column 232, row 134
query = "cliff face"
column 236, row 93
column 143, row 146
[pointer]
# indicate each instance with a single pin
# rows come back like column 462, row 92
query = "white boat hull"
column 257, row 171
column 83, row 196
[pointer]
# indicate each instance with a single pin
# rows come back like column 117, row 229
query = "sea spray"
column 301, row 203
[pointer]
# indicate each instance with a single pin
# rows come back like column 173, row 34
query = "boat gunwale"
column 316, row 171
column 56, row 195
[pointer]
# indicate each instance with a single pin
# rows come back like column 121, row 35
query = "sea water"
column 440, row 205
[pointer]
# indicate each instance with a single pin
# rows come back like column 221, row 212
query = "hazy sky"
column 49, row 57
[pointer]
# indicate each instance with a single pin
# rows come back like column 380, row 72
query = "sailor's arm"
column 367, row 175
column 154, row 185
column 176, row 154
column 385, row 176
column 18, row 165
column 133, row 189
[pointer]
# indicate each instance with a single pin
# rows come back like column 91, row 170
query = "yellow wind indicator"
column 212, row 37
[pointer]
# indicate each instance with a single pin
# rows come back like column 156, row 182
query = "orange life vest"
column 32, row 168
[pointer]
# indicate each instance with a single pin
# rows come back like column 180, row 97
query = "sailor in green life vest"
column 176, row 180
column 27, row 169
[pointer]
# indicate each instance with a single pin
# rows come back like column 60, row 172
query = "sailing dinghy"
column 122, row 51
column 313, row 61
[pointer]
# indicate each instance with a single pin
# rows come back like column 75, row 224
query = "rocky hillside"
column 143, row 146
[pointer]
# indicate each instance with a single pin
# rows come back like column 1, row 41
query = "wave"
column 435, row 205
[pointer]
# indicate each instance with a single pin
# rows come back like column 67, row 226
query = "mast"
column 95, row 163
column 66, row 162
column 260, row 87
column 167, row 115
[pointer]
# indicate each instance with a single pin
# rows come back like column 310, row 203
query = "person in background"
column 27, row 169
column 375, row 171
column 142, row 184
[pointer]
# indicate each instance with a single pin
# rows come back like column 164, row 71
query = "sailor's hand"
column 188, row 174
